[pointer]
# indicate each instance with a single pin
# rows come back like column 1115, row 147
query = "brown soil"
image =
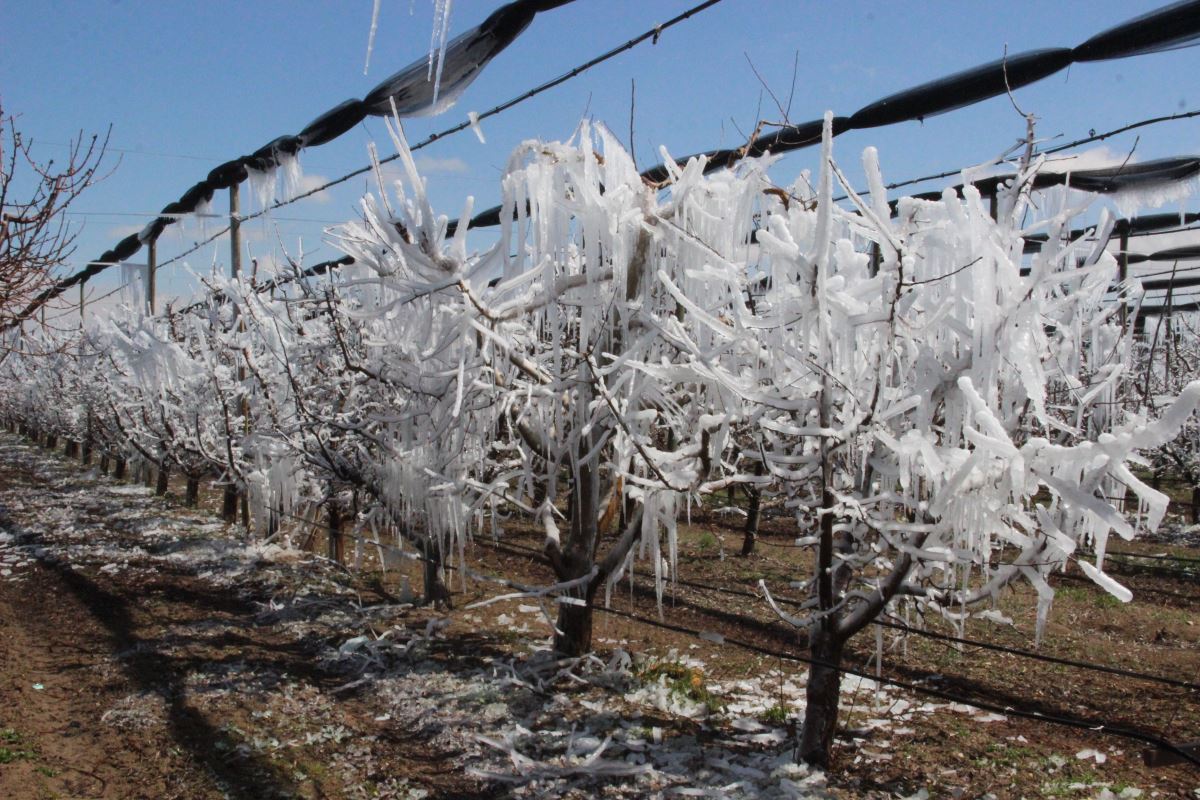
column 155, row 685
column 152, row 686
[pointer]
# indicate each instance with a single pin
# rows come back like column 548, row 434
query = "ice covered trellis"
column 937, row 416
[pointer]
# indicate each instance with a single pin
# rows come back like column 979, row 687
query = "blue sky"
column 186, row 86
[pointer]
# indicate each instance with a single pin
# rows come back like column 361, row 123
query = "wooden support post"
column 1123, row 272
column 235, row 272
column 151, row 269
column 235, row 233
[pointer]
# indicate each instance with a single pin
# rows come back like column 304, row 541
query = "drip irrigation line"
column 1154, row 557
column 1020, row 652
column 1094, row 725
column 1023, row 653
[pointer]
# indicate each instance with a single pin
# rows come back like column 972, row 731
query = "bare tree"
column 34, row 236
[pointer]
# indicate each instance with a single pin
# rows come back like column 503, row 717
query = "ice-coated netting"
column 416, row 90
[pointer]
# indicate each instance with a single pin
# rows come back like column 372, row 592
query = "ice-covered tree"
column 901, row 404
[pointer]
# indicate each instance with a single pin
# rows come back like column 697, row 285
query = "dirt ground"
column 145, row 652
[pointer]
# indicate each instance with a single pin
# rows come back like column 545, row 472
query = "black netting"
column 1177, row 254
column 199, row 194
column 127, row 247
column 1124, row 177
column 155, row 228
column 963, row 88
column 228, row 174
column 282, row 145
column 794, row 137
column 1167, row 28
column 411, row 89
column 333, row 123
column 1178, row 282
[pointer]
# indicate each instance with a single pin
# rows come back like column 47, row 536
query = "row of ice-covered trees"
column 939, row 413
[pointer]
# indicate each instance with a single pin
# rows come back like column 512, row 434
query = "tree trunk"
column 333, row 532
column 436, row 593
column 72, row 448
column 86, row 456
column 229, row 504
column 574, row 635
column 119, row 469
column 104, row 463
column 822, row 696
column 164, row 477
column 753, row 514
column 192, row 496
column 1195, row 504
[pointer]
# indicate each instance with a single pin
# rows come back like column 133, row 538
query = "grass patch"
column 683, row 681
column 776, row 715
column 14, row 747
column 1087, row 595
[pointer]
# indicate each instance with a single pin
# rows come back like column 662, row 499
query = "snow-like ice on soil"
column 539, row 725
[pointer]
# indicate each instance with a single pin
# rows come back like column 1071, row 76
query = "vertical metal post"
column 151, row 270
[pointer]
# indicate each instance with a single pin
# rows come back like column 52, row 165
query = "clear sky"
column 186, row 86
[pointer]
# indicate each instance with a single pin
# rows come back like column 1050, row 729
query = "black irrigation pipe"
column 1020, row 652
column 1154, row 557
column 1023, row 653
column 1017, row 651
column 1094, row 725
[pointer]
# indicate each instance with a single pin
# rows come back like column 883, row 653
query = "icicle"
column 441, row 27
column 473, row 116
column 371, row 36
